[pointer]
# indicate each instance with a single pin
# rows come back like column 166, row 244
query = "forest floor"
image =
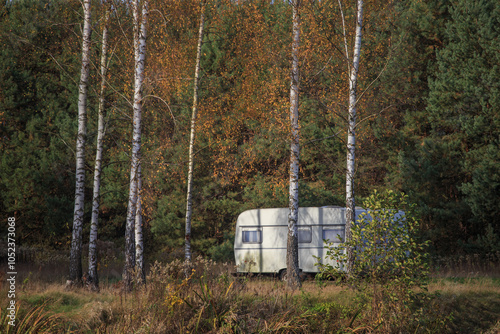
column 216, row 302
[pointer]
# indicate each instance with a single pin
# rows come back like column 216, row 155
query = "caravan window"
column 333, row 234
column 305, row 234
column 252, row 236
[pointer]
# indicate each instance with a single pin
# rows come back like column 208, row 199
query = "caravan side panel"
column 261, row 237
column 260, row 240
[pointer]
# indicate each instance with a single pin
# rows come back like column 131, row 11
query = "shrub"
column 390, row 266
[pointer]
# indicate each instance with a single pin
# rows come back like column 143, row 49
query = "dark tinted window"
column 305, row 234
column 252, row 236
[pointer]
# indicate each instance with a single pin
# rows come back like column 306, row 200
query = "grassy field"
column 213, row 301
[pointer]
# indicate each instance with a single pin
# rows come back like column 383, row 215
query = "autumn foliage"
column 242, row 146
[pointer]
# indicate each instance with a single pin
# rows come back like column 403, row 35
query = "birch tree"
column 139, row 245
column 292, row 254
column 75, row 265
column 94, row 223
column 189, row 205
column 351, row 134
column 140, row 20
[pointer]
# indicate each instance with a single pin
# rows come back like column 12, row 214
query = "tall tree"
column 189, row 205
column 140, row 20
column 139, row 237
column 94, row 223
column 38, row 111
column 463, row 110
column 351, row 134
column 292, row 254
column 75, row 265
column 422, row 168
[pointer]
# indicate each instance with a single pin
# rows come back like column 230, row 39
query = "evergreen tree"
column 419, row 30
column 37, row 118
column 464, row 104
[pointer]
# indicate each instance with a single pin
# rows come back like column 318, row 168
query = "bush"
column 390, row 267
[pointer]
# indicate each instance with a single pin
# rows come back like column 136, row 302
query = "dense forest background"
column 429, row 117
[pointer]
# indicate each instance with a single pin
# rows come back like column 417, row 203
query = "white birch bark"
column 292, row 257
column 189, row 201
column 351, row 135
column 75, row 265
column 140, row 21
column 93, row 278
column 139, row 245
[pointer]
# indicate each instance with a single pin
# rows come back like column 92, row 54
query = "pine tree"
column 38, row 118
column 463, row 108
column 422, row 165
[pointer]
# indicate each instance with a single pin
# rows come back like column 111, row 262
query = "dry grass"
column 467, row 266
column 473, row 303
column 458, row 286
column 213, row 301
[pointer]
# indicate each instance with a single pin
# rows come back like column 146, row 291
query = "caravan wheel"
column 282, row 274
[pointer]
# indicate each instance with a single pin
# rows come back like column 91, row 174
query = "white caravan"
column 261, row 238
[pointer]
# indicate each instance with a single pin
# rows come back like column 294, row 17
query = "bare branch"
column 324, row 138
column 165, row 102
column 373, row 115
column 345, row 37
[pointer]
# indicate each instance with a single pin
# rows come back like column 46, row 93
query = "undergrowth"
column 211, row 300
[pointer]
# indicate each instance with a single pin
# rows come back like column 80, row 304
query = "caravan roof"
column 307, row 216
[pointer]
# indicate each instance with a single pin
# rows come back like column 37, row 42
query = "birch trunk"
column 139, row 246
column 189, row 205
column 93, row 278
column 292, row 254
column 75, row 265
column 351, row 136
column 140, row 57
